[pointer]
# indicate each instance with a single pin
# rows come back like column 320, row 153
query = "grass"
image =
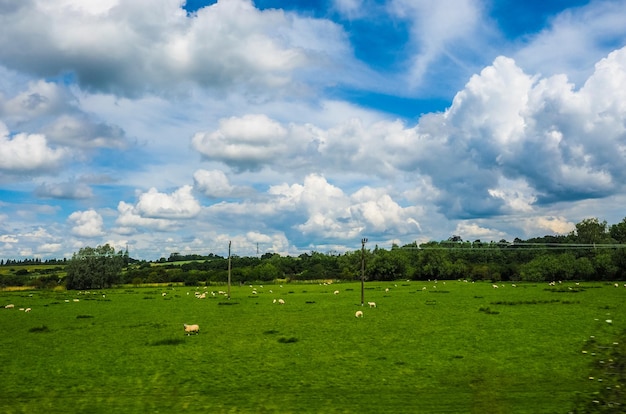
column 461, row 347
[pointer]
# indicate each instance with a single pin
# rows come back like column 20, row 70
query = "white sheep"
column 189, row 329
column 336, row 292
column 372, row 304
column 387, row 290
column 359, row 314
column 280, row 301
column 495, row 286
column 27, row 310
column 9, row 306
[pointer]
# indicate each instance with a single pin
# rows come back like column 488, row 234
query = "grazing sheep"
column 274, row 301
column 359, row 314
column 387, row 290
column 191, row 329
column 9, row 306
column 495, row 286
column 163, row 294
column 282, row 302
column 27, row 310
column 336, row 292
column 372, row 304
column 76, row 300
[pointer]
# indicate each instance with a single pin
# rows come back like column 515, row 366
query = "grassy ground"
column 455, row 347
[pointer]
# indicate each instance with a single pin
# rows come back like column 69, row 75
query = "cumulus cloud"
column 28, row 153
column 245, row 143
column 557, row 143
column 130, row 48
column 87, row 223
column 40, row 100
column 319, row 209
column 78, row 130
column 7, row 238
column 47, row 248
column 129, row 220
column 473, row 231
column 510, row 142
column 212, row 183
column 157, row 211
column 575, row 40
column 67, row 190
column 547, row 225
column 180, row 204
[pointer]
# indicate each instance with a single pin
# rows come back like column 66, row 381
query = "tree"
column 591, row 230
column 618, row 231
column 94, row 268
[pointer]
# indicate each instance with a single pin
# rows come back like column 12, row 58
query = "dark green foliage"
column 84, row 316
column 94, row 268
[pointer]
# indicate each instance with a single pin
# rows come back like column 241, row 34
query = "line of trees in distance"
column 593, row 251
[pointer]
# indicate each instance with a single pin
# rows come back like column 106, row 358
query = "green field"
column 454, row 347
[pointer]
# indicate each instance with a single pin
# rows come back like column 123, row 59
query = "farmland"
column 428, row 347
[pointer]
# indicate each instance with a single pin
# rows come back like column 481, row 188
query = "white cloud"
column 66, row 190
column 155, row 47
column 129, row 221
column 41, row 99
column 6, row 238
column 78, row 130
column 28, row 153
column 47, row 248
column 473, row 231
column 351, row 9
column 438, row 29
column 180, row 204
column 575, row 40
column 244, row 143
column 547, row 225
column 87, row 223
column 212, row 183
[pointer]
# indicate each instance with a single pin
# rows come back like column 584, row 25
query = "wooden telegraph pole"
column 363, row 241
column 229, row 267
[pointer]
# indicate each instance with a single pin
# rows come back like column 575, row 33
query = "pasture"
column 426, row 347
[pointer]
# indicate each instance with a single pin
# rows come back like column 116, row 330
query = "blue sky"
column 172, row 127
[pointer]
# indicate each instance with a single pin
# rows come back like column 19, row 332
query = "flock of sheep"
column 195, row 328
column 12, row 306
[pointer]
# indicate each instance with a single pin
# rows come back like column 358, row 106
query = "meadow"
column 428, row 347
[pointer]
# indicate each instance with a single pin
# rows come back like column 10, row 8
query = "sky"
column 297, row 126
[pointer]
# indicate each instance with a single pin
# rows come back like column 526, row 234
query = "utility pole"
column 363, row 241
column 229, row 267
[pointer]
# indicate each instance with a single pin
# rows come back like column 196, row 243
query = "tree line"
column 593, row 251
